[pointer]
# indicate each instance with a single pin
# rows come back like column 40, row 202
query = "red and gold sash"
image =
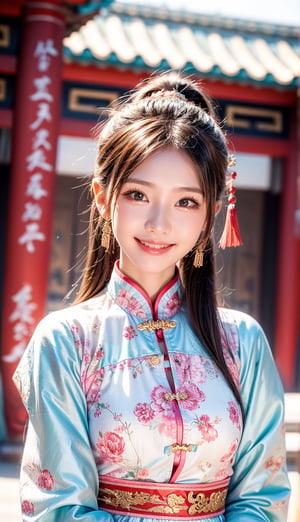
column 164, row 500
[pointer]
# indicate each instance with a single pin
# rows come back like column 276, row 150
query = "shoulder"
column 78, row 312
column 66, row 321
column 246, row 326
column 250, row 340
column 246, row 333
column 58, row 342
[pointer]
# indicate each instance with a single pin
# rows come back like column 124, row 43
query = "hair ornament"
column 199, row 255
column 231, row 234
column 163, row 93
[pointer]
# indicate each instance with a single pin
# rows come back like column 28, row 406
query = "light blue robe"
column 95, row 387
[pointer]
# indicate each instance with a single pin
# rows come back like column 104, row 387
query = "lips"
column 153, row 247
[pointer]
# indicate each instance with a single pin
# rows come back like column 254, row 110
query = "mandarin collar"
column 132, row 298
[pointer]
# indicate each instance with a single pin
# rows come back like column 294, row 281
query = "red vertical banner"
column 287, row 298
column 28, row 242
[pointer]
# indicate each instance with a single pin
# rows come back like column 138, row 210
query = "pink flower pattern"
column 232, row 357
column 173, row 305
column 129, row 302
column 27, row 508
column 144, row 413
column 226, row 462
column 194, row 396
column 190, row 368
column 45, row 480
column 273, row 464
column 232, row 367
column 234, row 414
column 142, row 474
column 229, row 455
column 223, row 472
column 129, row 332
column 206, row 428
column 111, row 447
column 168, row 428
column 281, row 505
column 160, row 404
column 205, row 466
column 162, row 408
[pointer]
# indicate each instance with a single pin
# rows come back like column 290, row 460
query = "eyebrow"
column 176, row 189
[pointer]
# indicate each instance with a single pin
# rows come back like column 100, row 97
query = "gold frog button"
column 154, row 360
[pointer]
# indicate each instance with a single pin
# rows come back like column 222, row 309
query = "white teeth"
column 152, row 245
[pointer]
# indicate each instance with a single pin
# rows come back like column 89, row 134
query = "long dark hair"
column 139, row 125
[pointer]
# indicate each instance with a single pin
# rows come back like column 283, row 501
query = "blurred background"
column 56, row 80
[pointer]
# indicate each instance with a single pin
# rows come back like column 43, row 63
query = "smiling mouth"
column 156, row 246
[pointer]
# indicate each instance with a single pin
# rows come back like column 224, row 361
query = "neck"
column 152, row 283
column 155, row 288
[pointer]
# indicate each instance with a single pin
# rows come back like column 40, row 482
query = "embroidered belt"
column 168, row 501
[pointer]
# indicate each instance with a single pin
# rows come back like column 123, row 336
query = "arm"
column 259, row 489
column 59, row 480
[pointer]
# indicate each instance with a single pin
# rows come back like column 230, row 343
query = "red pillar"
column 35, row 130
column 288, row 299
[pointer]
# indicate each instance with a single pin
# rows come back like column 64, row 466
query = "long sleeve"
column 59, row 479
column 259, row 489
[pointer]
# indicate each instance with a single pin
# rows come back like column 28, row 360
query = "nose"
column 158, row 220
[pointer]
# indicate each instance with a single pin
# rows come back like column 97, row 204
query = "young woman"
column 146, row 401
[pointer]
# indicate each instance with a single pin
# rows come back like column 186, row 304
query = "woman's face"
column 158, row 217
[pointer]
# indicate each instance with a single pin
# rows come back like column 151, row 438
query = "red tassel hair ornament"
column 231, row 234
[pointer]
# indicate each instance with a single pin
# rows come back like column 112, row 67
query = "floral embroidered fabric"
column 108, row 399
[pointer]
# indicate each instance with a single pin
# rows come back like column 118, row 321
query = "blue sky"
column 271, row 11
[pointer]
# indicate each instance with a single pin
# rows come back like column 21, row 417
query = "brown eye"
column 184, row 203
column 137, row 196
column 187, row 202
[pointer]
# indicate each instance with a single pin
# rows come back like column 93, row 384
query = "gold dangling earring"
column 199, row 255
column 106, row 233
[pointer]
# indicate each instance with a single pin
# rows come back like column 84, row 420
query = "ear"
column 218, row 207
column 99, row 195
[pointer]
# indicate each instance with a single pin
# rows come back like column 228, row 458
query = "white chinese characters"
column 22, row 319
column 38, row 162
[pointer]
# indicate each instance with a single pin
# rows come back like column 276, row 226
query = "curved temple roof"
column 221, row 48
